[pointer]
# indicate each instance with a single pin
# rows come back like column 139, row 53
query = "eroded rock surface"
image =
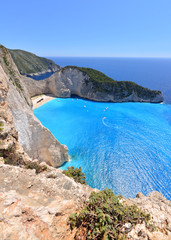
column 37, row 206
column 160, row 210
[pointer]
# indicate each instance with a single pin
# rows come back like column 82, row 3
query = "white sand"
column 44, row 99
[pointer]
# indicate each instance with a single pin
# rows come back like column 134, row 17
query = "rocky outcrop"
column 35, row 139
column 37, row 206
column 160, row 210
column 78, row 81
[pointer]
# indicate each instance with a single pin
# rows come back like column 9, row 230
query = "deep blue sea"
column 122, row 146
column 153, row 73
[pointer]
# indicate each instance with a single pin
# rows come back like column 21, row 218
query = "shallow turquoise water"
column 122, row 146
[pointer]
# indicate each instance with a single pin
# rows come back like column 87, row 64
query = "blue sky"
column 99, row 28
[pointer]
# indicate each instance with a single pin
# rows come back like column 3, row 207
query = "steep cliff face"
column 35, row 139
column 93, row 85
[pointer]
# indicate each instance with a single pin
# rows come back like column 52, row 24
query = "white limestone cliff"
column 71, row 81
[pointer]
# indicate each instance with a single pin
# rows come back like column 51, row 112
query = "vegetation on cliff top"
column 28, row 63
column 104, row 217
column 76, row 174
column 13, row 76
column 104, row 83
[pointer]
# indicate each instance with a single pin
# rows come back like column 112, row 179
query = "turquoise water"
column 122, row 146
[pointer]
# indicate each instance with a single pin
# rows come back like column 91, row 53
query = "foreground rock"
column 160, row 210
column 37, row 206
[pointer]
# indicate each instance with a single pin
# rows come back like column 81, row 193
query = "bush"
column 9, row 161
column 76, row 173
column 36, row 166
column 1, row 126
column 104, row 217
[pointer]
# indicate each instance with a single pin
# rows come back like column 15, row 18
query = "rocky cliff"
column 35, row 139
column 37, row 206
column 91, row 84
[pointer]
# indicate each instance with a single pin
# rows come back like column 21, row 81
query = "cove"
column 122, row 146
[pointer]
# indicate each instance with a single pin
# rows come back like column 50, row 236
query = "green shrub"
column 104, row 216
column 76, row 173
column 36, row 166
column 9, row 161
column 1, row 126
column 18, row 84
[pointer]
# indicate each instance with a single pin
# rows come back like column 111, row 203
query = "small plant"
column 1, row 126
column 76, row 173
column 37, row 167
column 152, row 227
column 18, row 85
column 104, row 217
column 9, row 161
column 6, row 61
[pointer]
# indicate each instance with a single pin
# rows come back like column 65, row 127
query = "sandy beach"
column 40, row 100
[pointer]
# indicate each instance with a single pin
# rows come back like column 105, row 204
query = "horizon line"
column 103, row 57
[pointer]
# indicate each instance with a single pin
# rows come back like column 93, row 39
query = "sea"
column 122, row 146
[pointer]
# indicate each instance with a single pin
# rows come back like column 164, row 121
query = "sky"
column 87, row 28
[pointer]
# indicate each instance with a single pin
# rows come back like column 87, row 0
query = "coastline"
column 39, row 100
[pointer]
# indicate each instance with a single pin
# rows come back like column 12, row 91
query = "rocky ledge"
column 160, row 210
column 37, row 206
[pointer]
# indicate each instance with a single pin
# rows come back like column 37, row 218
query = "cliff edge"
column 36, row 140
